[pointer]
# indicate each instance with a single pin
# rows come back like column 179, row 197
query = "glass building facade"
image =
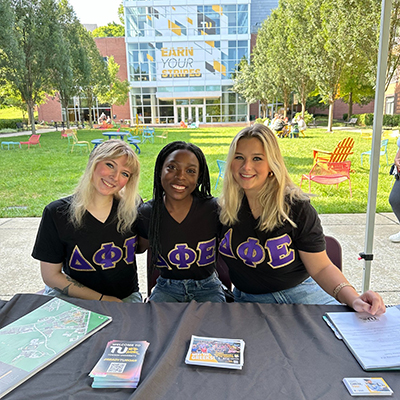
column 181, row 57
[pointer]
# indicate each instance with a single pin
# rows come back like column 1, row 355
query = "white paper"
column 374, row 340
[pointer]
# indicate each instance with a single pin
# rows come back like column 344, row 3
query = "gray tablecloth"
column 290, row 353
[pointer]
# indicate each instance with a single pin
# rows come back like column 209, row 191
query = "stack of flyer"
column 216, row 352
column 367, row 387
column 120, row 365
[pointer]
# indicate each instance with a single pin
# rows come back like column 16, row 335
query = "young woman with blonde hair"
column 87, row 242
column 272, row 239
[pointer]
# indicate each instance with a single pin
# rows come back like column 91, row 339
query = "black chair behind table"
column 153, row 273
column 334, row 251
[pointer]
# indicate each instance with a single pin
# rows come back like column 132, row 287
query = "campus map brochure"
column 367, row 387
column 373, row 340
column 40, row 337
column 120, row 365
column 216, row 352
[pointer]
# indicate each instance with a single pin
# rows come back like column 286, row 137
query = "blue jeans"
column 307, row 292
column 394, row 199
column 182, row 291
column 135, row 297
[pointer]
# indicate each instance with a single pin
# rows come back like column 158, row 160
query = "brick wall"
column 340, row 108
column 51, row 110
column 116, row 47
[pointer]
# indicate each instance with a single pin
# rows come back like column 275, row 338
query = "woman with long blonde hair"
column 87, row 242
column 272, row 238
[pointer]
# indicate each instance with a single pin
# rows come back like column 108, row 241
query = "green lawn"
column 33, row 178
column 13, row 113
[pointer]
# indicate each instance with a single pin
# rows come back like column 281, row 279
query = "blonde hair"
column 128, row 197
column 276, row 195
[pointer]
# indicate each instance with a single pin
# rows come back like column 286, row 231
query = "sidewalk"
column 28, row 133
column 19, row 272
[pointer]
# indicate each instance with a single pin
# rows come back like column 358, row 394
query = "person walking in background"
column 86, row 243
column 272, row 239
column 394, row 197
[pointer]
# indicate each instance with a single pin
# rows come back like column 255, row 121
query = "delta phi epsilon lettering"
column 107, row 256
column 225, row 247
column 207, row 253
column 182, row 256
column 251, row 252
column 279, row 253
column 130, row 246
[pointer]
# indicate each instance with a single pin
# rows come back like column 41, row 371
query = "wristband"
column 339, row 287
column 101, row 297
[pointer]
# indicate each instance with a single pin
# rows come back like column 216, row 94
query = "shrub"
column 308, row 118
column 261, row 120
column 7, row 130
column 365, row 119
column 10, row 123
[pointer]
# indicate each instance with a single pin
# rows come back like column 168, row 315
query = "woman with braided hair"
column 181, row 223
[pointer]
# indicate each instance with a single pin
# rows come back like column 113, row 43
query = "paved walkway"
column 25, row 133
column 19, row 272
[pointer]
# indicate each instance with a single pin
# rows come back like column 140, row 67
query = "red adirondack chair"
column 340, row 153
column 34, row 139
column 328, row 174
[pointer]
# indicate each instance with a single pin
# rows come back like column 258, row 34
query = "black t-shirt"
column 263, row 262
column 96, row 255
column 189, row 247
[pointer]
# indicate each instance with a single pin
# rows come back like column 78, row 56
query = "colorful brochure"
column 367, row 387
column 120, row 365
column 216, row 352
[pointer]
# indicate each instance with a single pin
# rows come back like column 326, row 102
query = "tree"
column 93, row 79
column 66, row 67
column 9, row 97
column 270, row 56
column 356, row 88
column 394, row 43
column 27, row 48
column 299, row 33
column 339, row 43
column 118, row 91
column 121, row 13
column 110, row 30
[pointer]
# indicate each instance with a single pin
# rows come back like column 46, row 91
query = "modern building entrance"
column 190, row 113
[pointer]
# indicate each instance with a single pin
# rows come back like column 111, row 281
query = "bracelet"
column 339, row 287
column 101, row 297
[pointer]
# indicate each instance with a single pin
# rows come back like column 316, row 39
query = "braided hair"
column 202, row 190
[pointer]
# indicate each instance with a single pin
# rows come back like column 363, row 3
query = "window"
column 389, row 108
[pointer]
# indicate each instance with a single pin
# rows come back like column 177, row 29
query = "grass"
column 13, row 113
column 33, row 178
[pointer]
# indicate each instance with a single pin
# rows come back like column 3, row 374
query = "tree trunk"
column 330, row 120
column 303, row 109
column 64, row 104
column 90, row 106
column 31, row 115
column 264, row 110
column 350, row 106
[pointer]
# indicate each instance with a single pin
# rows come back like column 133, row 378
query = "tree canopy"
column 110, row 30
column 325, row 47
